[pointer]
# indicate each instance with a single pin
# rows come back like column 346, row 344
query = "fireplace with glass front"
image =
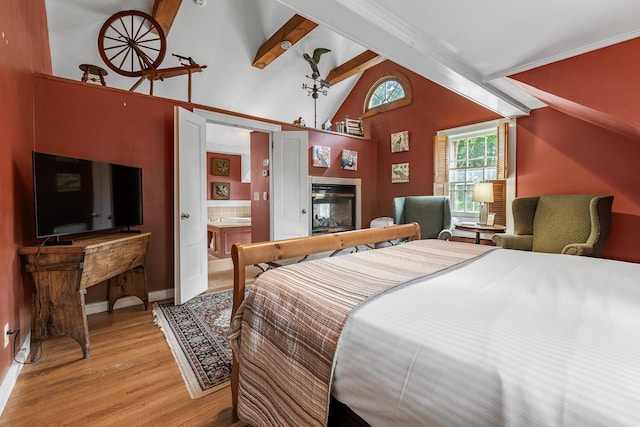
column 334, row 207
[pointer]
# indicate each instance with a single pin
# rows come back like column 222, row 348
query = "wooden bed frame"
column 244, row 255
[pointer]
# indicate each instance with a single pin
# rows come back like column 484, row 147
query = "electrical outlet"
column 6, row 336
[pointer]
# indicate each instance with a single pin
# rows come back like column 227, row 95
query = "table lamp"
column 483, row 193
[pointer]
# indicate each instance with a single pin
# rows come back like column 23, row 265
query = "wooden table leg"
column 132, row 282
column 59, row 307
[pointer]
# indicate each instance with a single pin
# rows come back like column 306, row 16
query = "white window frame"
column 469, row 131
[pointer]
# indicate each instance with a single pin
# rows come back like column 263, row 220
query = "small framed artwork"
column 350, row 160
column 220, row 167
column 400, row 141
column 491, row 218
column 399, row 173
column 321, row 156
column 221, row 190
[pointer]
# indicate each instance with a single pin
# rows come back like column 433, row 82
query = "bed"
column 435, row 333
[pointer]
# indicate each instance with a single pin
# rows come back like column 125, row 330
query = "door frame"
column 244, row 123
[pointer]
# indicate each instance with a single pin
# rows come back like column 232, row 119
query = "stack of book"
column 353, row 127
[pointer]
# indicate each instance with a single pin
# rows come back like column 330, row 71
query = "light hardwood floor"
column 130, row 379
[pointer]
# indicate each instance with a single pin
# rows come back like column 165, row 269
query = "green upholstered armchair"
column 574, row 224
column 432, row 213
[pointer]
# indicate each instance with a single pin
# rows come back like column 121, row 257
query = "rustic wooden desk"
column 61, row 274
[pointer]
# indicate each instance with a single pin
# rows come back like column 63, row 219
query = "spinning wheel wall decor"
column 133, row 44
column 130, row 42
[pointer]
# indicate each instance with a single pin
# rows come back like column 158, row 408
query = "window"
column 472, row 159
column 469, row 154
column 387, row 93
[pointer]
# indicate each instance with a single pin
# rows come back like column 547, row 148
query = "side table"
column 481, row 228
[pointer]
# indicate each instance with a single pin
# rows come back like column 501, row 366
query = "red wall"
column 120, row 127
column 367, row 155
column 239, row 190
column 260, row 210
column 434, row 108
column 558, row 154
column 605, row 80
column 24, row 49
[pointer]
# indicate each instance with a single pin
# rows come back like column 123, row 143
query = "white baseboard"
column 10, row 379
column 102, row 306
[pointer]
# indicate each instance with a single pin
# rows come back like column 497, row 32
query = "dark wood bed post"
column 255, row 253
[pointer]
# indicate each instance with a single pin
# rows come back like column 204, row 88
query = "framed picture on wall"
column 321, row 156
column 220, row 190
column 400, row 141
column 220, row 167
column 399, row 173
column 350, row 160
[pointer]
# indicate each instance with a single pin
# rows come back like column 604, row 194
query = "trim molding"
column 10, row 379
column 103, row 306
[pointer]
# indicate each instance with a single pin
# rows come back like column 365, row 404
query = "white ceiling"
column 468, row 46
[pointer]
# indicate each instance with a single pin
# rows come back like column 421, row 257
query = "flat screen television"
column 74, row 196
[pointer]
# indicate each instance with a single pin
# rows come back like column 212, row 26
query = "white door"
column 190, row 210
column 290, row 196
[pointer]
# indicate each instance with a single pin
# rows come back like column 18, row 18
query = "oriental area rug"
column 197, row 335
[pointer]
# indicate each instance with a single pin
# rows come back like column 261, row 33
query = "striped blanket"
column 286, row 332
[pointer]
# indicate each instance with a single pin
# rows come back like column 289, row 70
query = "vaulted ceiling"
column 465, row 45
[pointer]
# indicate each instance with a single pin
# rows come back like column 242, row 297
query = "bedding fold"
column 286, row 332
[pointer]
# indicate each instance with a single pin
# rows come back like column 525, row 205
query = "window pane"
column 475, row 175
column 457, row 198
column 388, row 91
column 472, row 160
column 457, row 175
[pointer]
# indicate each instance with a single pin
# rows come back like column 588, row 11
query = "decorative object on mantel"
column 319, row 85
column 133, row 44
column 400, row 141
column 299, row 121
column 399, row 173
column 349, row 160
column 220, row 167
column 221, row 190
column 353, row 126
column 93, row 74
column 321, row 156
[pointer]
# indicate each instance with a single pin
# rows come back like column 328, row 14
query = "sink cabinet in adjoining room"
column 221, row 238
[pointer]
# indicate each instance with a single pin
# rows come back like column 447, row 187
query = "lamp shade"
column 482, row 192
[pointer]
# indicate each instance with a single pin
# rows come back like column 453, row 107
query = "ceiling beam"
column 293, row 31
column 365, row 60
column 165, row 11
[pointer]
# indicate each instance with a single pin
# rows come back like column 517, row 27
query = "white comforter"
column 514, row 338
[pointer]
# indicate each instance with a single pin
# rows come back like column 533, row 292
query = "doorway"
column 231, row 135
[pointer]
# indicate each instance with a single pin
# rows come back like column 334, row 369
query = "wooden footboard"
column 244, row 255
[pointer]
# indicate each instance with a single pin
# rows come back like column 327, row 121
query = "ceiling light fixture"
column 200, row 2
column 285, row 44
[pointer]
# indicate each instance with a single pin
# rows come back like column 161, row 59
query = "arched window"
column 389, row 92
